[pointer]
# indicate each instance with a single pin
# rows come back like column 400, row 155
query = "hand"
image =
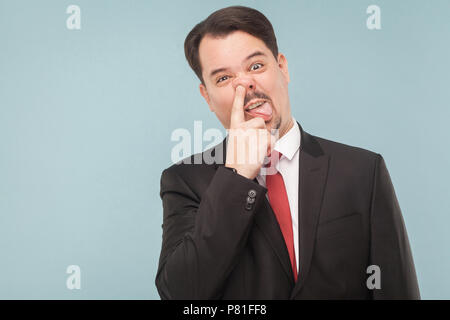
column 248, row 141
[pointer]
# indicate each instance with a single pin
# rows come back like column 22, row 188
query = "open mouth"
column 254, row 105
column 259, row 108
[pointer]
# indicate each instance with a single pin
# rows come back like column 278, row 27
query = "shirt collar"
column 288, row 144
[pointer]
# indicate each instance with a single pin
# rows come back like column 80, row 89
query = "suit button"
column 250, row 200
column 252, row 193
column 248, row 207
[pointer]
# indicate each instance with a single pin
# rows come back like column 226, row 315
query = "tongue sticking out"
column 263, row 111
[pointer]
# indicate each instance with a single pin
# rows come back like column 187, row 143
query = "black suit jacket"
column 215, row 245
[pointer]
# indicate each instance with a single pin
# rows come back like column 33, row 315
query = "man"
column 310, row 230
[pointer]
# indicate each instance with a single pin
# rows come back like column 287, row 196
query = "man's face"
column 262, row 76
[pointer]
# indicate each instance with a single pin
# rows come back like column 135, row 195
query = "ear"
column 205, row 95
column 283, row 65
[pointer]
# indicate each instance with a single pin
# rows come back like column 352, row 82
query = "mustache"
column 256, row 95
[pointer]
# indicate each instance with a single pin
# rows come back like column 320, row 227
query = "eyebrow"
column 254, row 54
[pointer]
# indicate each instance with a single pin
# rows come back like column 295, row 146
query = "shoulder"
column 195, row 170
column 339, row 148
column 351, row 169
column 348, row 157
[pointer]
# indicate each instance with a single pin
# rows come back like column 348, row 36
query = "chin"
column 274, row 124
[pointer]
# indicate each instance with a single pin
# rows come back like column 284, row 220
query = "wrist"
column 240, row 172
column 231, row 169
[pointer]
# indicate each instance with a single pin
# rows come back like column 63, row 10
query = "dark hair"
column 223, row 22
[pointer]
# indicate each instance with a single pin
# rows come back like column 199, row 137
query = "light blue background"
column 86, row 118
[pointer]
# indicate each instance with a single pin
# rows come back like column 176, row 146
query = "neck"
column 288, row 127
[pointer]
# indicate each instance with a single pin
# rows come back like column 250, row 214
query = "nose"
column 247, row 82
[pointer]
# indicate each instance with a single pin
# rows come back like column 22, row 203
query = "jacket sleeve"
column 202, row 238
column 390, row 249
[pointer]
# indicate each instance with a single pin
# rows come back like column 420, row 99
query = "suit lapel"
column 313, row 170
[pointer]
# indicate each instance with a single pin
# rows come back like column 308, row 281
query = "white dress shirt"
column 289, row 146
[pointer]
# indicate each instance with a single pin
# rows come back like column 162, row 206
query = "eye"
column 251, row 68
column 219, row 80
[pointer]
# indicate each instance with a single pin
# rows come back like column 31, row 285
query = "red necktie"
column 279, row 202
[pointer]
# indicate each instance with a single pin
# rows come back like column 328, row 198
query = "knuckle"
column 260, row 122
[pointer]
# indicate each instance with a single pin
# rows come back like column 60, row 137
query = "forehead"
column 229, row 50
